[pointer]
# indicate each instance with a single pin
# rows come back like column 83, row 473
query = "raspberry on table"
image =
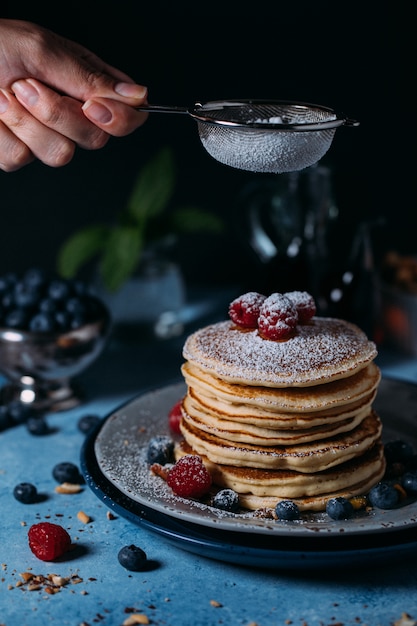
column 278, row 317
column 189, row 478
column 244, row 310
column 48, row 541
column 304, row 303
column 174, row 418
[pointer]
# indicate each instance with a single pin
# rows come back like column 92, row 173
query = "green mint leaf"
column 79, row 249
column 120, row 257
column 153, row 188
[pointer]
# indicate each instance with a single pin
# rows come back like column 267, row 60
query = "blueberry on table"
column 66, row 472
column 37, row 426
column 25, row 493
column 132, row 558
column 226, row 500
column 287, row 510
column 160, row 450
column 339, row 508
column 384, row 496
column 87, row 423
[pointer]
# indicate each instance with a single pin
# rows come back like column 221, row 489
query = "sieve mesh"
column 264, row 136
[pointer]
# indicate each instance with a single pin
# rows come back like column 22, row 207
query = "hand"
column 56, row 95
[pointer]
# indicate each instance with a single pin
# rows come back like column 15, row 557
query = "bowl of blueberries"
column 51, row 329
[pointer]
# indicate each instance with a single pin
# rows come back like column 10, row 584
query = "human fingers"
column 116, row 118
column 20, row 129
column 59, row 113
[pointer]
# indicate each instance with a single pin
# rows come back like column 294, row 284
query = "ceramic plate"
column 119, row 450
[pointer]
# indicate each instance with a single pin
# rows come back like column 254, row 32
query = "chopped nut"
column 26, row 576
column 68, row 488
column 136, row 618
column 110, row 515
column 83, row 517
column 215, row 603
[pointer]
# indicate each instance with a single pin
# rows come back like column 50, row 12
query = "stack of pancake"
column 278, row 420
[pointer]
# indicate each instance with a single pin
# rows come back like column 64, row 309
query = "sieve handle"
column 155, row 108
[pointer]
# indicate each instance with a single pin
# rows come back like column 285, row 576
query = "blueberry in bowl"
column 51, row 329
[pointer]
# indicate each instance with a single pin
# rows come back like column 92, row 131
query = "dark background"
column 353, row 57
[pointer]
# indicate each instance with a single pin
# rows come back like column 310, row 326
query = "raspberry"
column 48, row 541
column 278, row 317
column 244, row 310
column 189, row 477
column 304, row 303
column 174, row 417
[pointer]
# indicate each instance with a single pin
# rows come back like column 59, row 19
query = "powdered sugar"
column 324, row 349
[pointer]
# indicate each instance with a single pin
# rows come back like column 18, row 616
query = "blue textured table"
column 181, row 587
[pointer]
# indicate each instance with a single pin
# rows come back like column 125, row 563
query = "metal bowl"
column 40, row 366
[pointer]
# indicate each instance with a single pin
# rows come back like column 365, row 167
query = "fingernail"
column 25, row 92
column 97, row 112
column 131, row 90
column 4, row 103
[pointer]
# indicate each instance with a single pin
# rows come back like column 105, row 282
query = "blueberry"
column 339, row 508
column 384, row 496
column 5, row 421
column 25, row 493
column 19, row 412
column 66, row 472
column 132, row 558
column 37, row 426
column 409, row 482
column 160, row 450
column 16, row 318
column 34, row 277
column 59, row 289
column 42, row 323
column 25, row 297
column 398, row 451
column 87, row 423
column 226, row 500
column 287, row 510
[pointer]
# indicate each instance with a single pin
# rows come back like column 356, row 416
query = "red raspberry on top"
column 48, row 541
column 244, row 310
column 189, row 477
column 304, row 303
column 278, row 317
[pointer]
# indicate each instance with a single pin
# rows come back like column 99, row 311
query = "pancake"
column 283, row 419
column 312, row 457
column 264, row 488
column 322, row 350
column 319, row 397
column 238, row 432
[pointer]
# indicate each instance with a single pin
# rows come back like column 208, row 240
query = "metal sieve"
column 272, row 136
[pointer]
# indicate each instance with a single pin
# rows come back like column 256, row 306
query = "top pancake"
column 323, row 350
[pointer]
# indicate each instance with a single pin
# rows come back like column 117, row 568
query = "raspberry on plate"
column 244, row 310
column 278, row 317
column 174, row 418
column 48, row 541
column 189, row 477
column 304, row 303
